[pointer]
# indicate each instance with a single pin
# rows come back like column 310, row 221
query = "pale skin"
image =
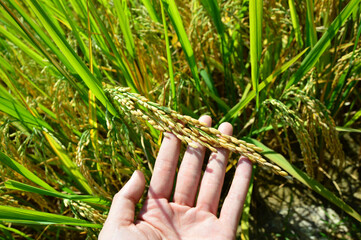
column 191, row 213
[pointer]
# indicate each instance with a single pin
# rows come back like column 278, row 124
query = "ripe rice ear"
column 163, row 119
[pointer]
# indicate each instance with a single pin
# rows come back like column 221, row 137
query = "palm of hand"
column 164, row 220
column 184, row 218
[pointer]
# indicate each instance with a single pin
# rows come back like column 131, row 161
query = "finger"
column 212, row 181
column 123, row 206
column 190, row 171
column 162, row 180
column 233, row 204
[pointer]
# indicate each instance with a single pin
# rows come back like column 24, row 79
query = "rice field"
column 88, row 89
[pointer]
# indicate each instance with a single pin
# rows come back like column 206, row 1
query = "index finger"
column 161, row 183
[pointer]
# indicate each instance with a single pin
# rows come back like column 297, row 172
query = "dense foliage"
column 285, row 74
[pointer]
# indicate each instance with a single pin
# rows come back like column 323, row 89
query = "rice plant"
column 89, row 88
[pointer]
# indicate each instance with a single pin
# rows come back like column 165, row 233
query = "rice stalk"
column 309, row 117
column 280, row 112
column 119, row 141
column 82, row 164
column 319, row 116
column 187, row 129
column 84, row 210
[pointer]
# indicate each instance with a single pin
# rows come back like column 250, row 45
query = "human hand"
column 185, row 217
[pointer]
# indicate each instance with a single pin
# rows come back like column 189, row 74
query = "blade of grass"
column 27, row 78
column 72, row 57
column 78, row 32
column 24, row 172
column 12, row 84
column 111, row 50
column 4, row 93
column 51, row 11
column 121, row 10
column 177, row 22
column 69, row 166
column 311, row 36
column 338, row 91
column 214, row 12
column 151, row 10
column 16, row 231
column 46, row 40
column 305, row 179
column 346, row 129
column 9, row 23
column 322, row 44
column 13, row 87
column 20, row 113
column 53, row 115
column 243, row 103
column 255, row 29
column 354, row 118
column 72, row 26
column 212, row 91
column 169, row 58
column 81, row 8
column 38, row 31
column 15, row 185
column 295, row 22
column 209, row 82
column 26, row 49
column 92, row 103
column 6, row 65
column 17, row 215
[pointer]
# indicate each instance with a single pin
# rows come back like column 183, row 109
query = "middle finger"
column 190, row 172
column 212, row 181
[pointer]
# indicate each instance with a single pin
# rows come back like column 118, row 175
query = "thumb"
column 123, row 206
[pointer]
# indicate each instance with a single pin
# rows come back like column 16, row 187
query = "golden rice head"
column 280, row 112
column 187, row 129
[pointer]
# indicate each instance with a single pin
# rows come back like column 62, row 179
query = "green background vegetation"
column 284, row 73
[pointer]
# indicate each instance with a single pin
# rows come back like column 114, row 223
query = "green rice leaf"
column 354, row 118
column 234, row 112
column 338, row 93
column 122, row 11
column 209, row 82
column 46, row 40
column 169, row 58
column 177, row 22
column 6, row 65
column 152, row 13
column 347, row 129
column 16, row 231
column 15, row 185
column 214, row 12
column 68, row 164
column 255, row 25
column 110, row 48
column 310, row 25
column 322, row 44
column 25, row 216
column 25, row 48
column 20, row 113
column 72, row 57
column 24, row 172
column 295, row 22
